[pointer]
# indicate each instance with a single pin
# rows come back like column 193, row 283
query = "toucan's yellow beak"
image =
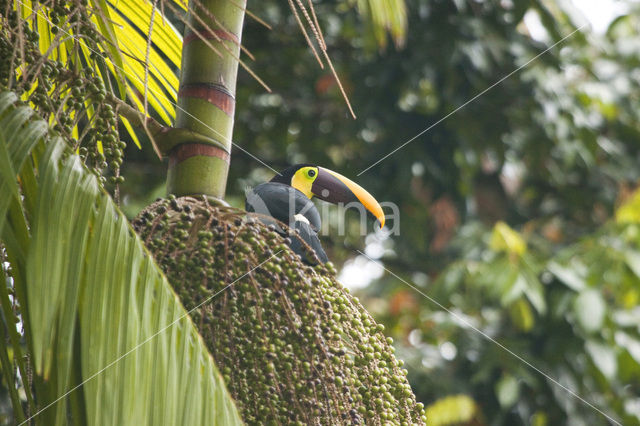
column 335, row 188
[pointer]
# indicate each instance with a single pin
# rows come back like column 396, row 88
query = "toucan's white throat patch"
column 301, row 218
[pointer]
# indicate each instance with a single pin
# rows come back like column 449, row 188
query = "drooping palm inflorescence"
column 291, row 342
column 66, row 91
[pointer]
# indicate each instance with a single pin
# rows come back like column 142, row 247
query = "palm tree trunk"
column 206, row 99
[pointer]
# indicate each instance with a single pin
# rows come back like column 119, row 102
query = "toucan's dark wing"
column 274, row 199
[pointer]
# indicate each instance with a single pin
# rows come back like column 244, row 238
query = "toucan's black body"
column 287, row 198
column 277, row 197
column 288, row 205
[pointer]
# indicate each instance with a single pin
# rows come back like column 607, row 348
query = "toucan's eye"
column 311, row 173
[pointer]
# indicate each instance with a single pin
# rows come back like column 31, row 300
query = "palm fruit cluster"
column 68, row 93
column 293, row 345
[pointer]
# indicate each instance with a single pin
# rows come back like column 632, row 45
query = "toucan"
column 287, row 198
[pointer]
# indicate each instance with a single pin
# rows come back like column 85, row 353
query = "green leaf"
column 629, row 212
column 507, row 391
column 535, row 292
column 515, row 289
column 108, row 31
column 627, row 318
column 385, row 16
column 632, row 258
column 504, row 238
column 604, row 358
column 14, row 127
column 99, row 311
column 589, row 309
column 572, row 276
column 629, row 343
column 521, row 315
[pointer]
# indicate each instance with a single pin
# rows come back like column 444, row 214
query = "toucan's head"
column 327, row 185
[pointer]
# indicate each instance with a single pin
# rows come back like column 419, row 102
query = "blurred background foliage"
column 519, row 212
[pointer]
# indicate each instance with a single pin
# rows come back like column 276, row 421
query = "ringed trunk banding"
column 206, row 98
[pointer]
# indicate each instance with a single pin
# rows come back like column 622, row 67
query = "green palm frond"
column 108, row 339
column 386, row 16
column 130, row 43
